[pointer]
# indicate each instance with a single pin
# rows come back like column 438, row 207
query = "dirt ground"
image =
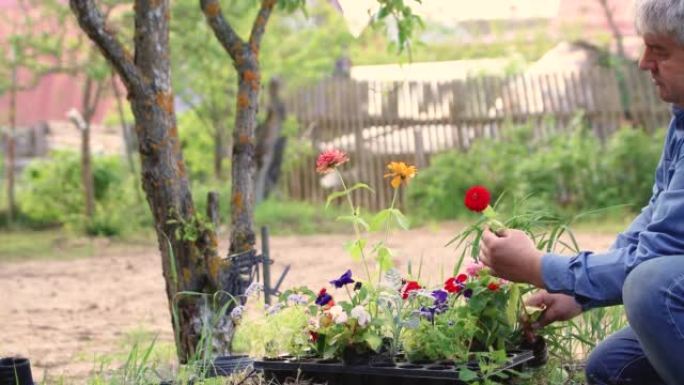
column 63, row 314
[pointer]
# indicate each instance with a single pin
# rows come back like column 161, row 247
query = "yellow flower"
column 400, row 172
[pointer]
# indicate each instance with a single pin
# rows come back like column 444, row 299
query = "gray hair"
column 660, row 17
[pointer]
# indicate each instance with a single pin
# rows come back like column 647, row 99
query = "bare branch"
column 259, row 25
column 225, row 34
column 93, row 23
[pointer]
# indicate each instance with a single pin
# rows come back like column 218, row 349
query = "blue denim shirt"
column 596, row 279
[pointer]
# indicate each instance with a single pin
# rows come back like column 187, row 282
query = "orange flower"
column 328, row 160
column 400, row 172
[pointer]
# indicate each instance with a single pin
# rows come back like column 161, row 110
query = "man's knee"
column 597, row 370
column 641, row 290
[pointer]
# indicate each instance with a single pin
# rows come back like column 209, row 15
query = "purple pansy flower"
column 428, row 312
column 440, row 297
column 344, row 279
column 323, row 298
column 467, row 293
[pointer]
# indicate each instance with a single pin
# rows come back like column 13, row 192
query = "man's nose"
column 645, row 63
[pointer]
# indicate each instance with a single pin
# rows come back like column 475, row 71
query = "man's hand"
column 511, row 255
column 557, row 307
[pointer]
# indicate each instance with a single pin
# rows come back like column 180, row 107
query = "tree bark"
column 190, row 260
column 125, row 130
column 613, row 28
column 219, row 148
column 245, row 56
column 268, row 134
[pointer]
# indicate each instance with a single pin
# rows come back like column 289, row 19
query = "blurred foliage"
column 566, row 172
column 51, row 193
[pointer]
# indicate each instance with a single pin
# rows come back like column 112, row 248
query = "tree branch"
column 225, row 34
column 259, row 25
column 93, row 23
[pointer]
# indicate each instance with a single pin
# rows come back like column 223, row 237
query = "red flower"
column 409, row 287
column 453, row 286
column 314, row 336
column 493, row 286
column 329, row 159
column 477, row 198
column 461, row 278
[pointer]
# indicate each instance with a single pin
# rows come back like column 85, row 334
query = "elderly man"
column 644, row 269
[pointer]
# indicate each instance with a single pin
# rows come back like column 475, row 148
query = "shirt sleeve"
column 596, row 279
column 630, row 237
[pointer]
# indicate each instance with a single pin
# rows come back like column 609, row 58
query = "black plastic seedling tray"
column 401, row 373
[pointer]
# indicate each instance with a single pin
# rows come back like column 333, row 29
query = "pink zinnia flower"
column 328, row 160
column 473, row 268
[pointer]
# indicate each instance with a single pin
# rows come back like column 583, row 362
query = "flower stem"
column 357, row 232
column 387, row 228
column 349, row 294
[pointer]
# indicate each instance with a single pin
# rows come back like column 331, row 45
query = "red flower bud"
column 493, row 286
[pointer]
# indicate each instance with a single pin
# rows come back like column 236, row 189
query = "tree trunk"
column 9, row 142
column 245, row 56
column 268, row 134
column 86, row 168
column 188, row 247
column 613, row 28
column 125, row 130
column 219, row 148
column 243, row 169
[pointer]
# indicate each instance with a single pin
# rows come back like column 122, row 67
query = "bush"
column 52, row 193
column 488, row 162
column 566, row 172
column 291, row 217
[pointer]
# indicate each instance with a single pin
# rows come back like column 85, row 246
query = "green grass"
column 300, row 218
column 57, row 244
column 47, row 244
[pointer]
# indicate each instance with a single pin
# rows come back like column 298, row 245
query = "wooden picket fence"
column 379, row 122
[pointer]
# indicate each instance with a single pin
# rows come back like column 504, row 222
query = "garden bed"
column 335, row 372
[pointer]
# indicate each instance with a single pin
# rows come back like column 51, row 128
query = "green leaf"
column 401, row 219
column 466, row 375
column 339, row 194
column 384, row 258
column 354, row 219
column 355, row 249
column 380, row 219
column 512, row 306
column 373, row 341
column 335, row 195
column 383, row 12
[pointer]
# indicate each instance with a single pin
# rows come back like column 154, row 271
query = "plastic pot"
column 15, row 371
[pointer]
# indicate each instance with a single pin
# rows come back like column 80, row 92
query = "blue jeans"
column 650, row 351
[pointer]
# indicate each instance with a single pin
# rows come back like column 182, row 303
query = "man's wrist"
column 537, row 278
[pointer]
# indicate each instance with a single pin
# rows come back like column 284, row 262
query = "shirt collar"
column 678, row 112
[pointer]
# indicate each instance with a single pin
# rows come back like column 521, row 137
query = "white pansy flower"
column 273, row 309
column 236, row 313
column 297, row 299
column 361, row 315
column 254, row 288
column 392, row 279
column 339, row 316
